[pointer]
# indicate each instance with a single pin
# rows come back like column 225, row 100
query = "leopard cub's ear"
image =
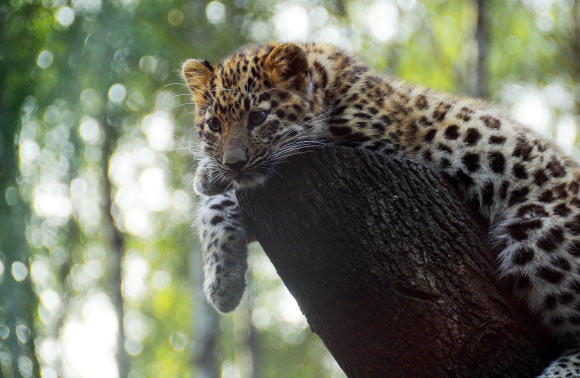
column 287, row 65
column 196, row 74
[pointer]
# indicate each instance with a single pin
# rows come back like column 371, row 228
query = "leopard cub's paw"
column 224, row 282
column 224, row 250
column 206, row 180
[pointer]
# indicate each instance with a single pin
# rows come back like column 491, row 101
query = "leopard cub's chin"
column 249, row 181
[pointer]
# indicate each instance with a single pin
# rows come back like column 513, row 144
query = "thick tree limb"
column 392, row 269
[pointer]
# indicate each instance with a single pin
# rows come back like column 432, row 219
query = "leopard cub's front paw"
column 224, row 239
column 206, row 181
column 224, row 272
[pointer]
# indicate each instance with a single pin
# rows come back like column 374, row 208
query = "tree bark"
column 392, row 270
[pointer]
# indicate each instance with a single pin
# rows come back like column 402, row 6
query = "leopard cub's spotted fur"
column 264, row 103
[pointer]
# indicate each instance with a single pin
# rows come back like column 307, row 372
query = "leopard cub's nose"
column 236, row 165
column 235, row 155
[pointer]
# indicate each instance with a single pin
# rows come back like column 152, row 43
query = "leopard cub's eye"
column 214, row 124
column 256, row 118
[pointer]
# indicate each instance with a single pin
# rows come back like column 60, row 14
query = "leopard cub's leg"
column 224, row 237
column 539, row 255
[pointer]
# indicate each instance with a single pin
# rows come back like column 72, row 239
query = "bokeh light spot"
column 158, row 128
column 292, row 23
column 215, row 12
column 29, row 151
column 117, row 93
column 45, row 59
column 94, row 359
column 175, row 17
column 51, row 200
column 25, row 366
column 383, row 20
column 178, row 341
column 65, row 16
column 90, row 130
column 19, row 271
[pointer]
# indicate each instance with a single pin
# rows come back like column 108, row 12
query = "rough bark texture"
column 392, row 270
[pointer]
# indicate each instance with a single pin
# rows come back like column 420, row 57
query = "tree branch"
column 392, row 269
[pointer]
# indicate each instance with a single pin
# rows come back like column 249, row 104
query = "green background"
column 93, row 116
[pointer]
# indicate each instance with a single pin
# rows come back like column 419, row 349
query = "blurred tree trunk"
column 206, row 326
column 575, row 52
column 117, row 248
column 18, row 302
column 245, row 332
column 391, row 269
column 481, row 36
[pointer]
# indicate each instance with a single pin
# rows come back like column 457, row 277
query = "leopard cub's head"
column 252, row 109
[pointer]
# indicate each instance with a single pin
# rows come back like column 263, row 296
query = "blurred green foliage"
column 96, row 204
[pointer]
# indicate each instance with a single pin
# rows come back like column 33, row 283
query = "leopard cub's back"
column 525, row 186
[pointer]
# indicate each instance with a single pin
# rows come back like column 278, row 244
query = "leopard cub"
column 264, row 103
